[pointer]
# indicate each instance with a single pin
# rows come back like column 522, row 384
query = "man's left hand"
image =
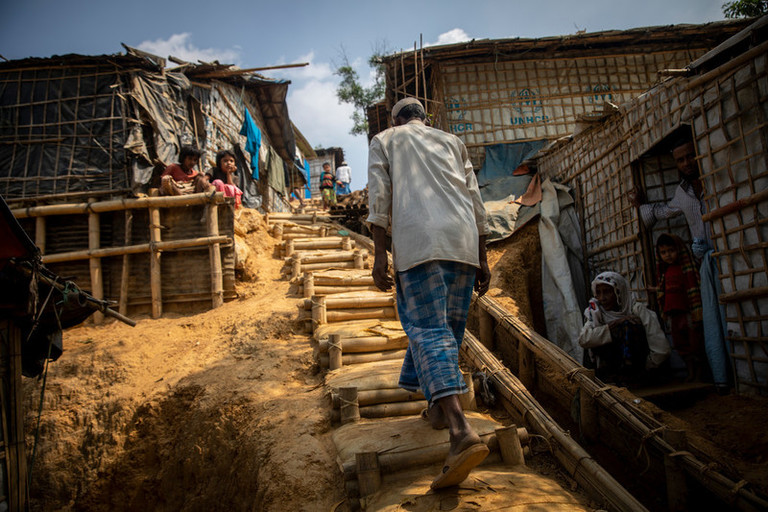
column 482, row 278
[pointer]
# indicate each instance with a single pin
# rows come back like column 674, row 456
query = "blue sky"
column 256, row 33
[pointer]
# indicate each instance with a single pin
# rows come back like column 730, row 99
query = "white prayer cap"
column 402, row 103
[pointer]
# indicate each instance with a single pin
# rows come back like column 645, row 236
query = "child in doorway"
column 623, row 337
column 679, row 298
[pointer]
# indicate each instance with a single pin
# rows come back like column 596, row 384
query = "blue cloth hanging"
column 307, row 189
column 253, row 141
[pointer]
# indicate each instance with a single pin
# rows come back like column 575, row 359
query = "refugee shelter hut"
column 721, row 103
column 84, row 138
column 504, row 91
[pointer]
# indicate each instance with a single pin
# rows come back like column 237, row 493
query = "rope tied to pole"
column 642, row 450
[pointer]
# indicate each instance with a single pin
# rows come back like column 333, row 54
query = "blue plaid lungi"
column 433, row 303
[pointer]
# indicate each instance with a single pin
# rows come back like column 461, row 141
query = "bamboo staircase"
column 386, row 452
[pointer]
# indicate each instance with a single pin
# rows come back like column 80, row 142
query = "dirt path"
column 221, row 409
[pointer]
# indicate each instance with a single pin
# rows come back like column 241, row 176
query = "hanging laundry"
column 253, row 141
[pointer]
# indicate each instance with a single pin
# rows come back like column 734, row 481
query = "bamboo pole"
column 327, row 257
column 296, row 266
column 328, row 243
column 277, row 231
column 334, row 352
column 354, row 302
column 585, row 470
column 136, row 249
column 510, row 446
column 40, row 234
column 309, row 285
column 722, row 486
column 368, row 473
column 329, row 265
column 381, row 396
column 349, row 408
column 347, row 244
column 366, row 344
column 94, row 243
column 589, row 423
column 359, row 257
column 346, row 315
column 126, row 268
column 345, row 281
column 389, row 410
column 214, row 251
column 290, row 248
column 487, row 327
column 118, row 204
column 155, row 277
column 349, row 359
column 318, row 311
column 331, row 290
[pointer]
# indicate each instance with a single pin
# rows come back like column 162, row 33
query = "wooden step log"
column 332, row 290
column 386, row 410
column 348, row 359
column 296, row 268
column 375, row 301
column 380, row 396
column 321, row 257
column 298, row 235
column 366, row 344
column 349, row 314
column 331, row 242
column 322, row 280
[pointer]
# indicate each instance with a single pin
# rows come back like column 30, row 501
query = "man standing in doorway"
column 688, row 201
column 343, row 179
column 421, row 184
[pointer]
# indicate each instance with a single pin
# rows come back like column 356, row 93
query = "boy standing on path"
column 421, row 183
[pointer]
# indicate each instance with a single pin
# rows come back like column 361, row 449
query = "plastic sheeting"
column 561, row 305
column 502, row 159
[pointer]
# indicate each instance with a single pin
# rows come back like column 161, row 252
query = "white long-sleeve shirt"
column 344, row 174
column 421, row 180
column 683, row 202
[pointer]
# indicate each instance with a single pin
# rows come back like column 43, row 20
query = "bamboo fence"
column 56, row 221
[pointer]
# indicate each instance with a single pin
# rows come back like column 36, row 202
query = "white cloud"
column 325, row 122
column 456, row 35
column 181, row 46
column 315, row 70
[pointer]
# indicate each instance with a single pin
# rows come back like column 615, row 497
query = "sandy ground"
column 225, row 410
column 218, row 409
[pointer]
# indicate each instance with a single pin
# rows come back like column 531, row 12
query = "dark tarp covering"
column 62, row 130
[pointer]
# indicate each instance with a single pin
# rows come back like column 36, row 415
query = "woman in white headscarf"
column 623, row 336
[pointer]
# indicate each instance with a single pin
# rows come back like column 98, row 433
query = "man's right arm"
column 379, row 207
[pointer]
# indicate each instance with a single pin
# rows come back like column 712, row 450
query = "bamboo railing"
column 597, row 397
column 154, row 248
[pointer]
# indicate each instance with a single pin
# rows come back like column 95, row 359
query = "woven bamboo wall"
column 728, row 112
column 730, row 122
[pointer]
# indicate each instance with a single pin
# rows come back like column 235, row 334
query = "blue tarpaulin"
column 253, row 142
column 495, row 178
